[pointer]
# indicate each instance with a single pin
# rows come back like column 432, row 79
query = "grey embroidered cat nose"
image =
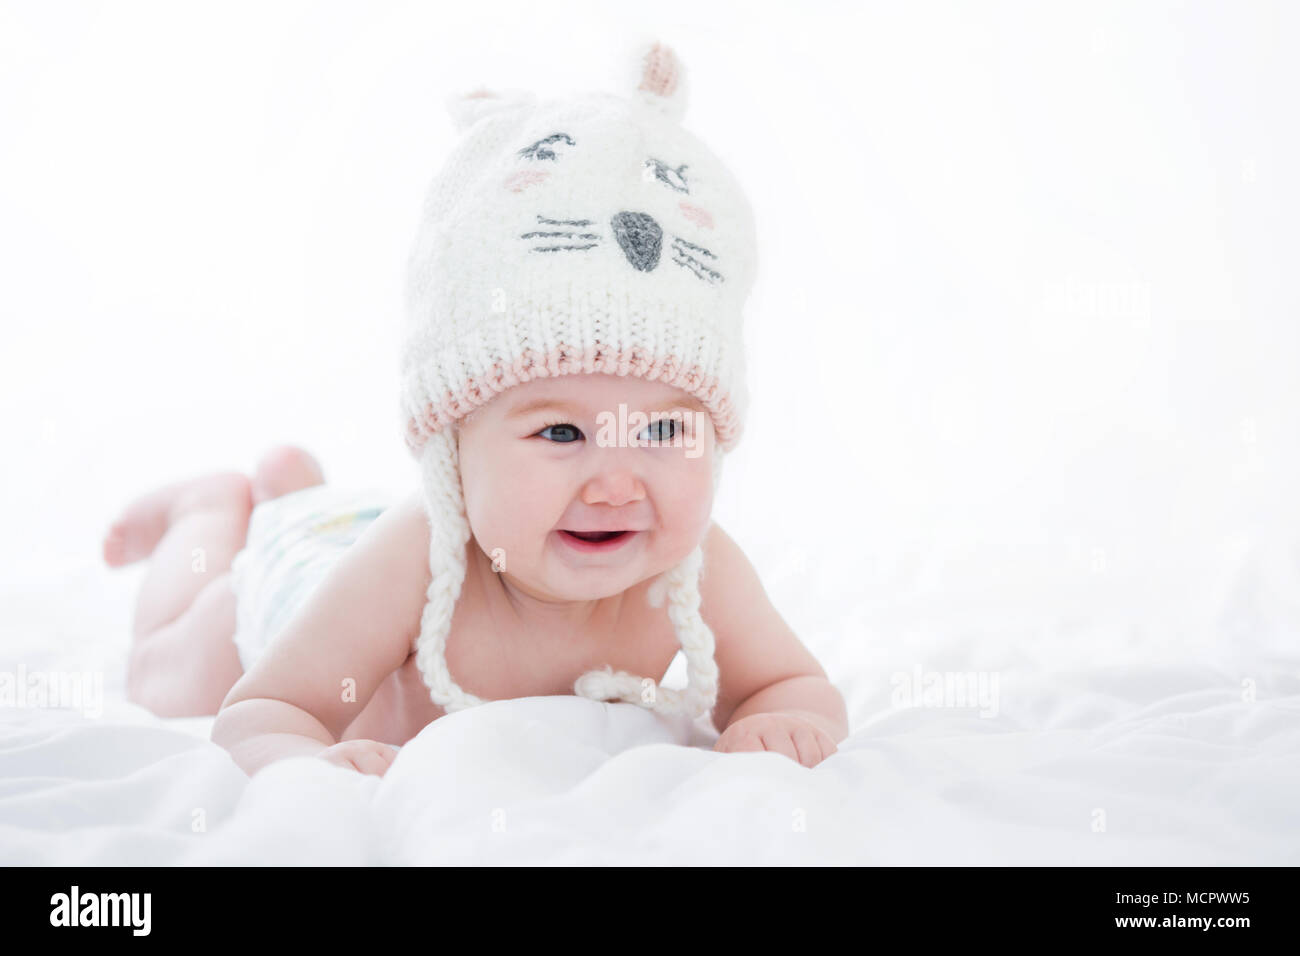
column 640, row 238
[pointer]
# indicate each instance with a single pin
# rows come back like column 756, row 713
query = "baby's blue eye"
column 665, row 429
column 561, row 434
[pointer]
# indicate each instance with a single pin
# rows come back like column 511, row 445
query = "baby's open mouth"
column 596, row 536
column 597, row 542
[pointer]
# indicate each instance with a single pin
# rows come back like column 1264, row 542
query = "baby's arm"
column 354, row 630
column 772, row 692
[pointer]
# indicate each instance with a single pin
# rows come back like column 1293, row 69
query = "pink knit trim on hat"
column 565, row 360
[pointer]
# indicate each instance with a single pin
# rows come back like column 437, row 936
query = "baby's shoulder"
column 396, row 545
column 730, row 588
column 723, row 560
column 405, row 522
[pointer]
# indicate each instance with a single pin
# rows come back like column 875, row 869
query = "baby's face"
column 556, row 456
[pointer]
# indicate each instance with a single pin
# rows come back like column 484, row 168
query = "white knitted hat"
column 589, row 233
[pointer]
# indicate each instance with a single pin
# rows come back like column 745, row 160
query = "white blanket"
column 1022, row 358
column 1097, row 751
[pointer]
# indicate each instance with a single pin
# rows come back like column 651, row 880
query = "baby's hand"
column 364, row 756
column 799, row 739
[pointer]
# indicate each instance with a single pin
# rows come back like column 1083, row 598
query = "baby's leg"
column 186, row 667
column 183, row 659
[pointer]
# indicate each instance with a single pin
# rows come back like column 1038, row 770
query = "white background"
column 1023, row 343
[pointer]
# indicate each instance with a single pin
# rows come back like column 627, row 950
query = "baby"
column 571, row 381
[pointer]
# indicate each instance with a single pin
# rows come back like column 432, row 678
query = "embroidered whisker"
column 560, row 235
column 691, row 245
column 701, row 270
column 590, row 245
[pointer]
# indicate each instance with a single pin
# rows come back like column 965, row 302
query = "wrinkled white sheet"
column 1036, row 421
column 1103, row 750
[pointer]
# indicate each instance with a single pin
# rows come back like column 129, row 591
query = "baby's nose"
column 613, row 488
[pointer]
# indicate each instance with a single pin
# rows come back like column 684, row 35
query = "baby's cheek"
column 495, row 508
column 504, row 508
column 689, row 504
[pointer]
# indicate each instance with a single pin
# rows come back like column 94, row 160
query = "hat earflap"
column 448, row 535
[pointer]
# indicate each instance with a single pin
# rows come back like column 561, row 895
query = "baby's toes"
column 115, row 547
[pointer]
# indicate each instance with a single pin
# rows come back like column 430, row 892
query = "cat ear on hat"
column 659, row 79
column 466, row 109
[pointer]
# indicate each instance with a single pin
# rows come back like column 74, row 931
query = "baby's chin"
column 598, row 583
column 595, row 584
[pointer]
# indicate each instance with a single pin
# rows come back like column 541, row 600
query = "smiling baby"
column 572, row 378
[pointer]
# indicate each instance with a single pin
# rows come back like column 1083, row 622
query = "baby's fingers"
column 827, row 742
column 738, row 743
column 370, row 762
column 808, row 745
column 779, row 741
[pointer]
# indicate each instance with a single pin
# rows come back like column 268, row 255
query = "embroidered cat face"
column 638, row 233
column 605, row 183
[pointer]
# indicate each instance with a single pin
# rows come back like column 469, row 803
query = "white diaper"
column 293, row 542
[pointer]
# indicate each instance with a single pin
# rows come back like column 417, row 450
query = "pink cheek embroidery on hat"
column 696, row 215
column 518, row 182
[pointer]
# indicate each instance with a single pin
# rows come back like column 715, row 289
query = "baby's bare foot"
column 141, row 525
column 137, row 531
column 283, row 469
column 129, row 540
